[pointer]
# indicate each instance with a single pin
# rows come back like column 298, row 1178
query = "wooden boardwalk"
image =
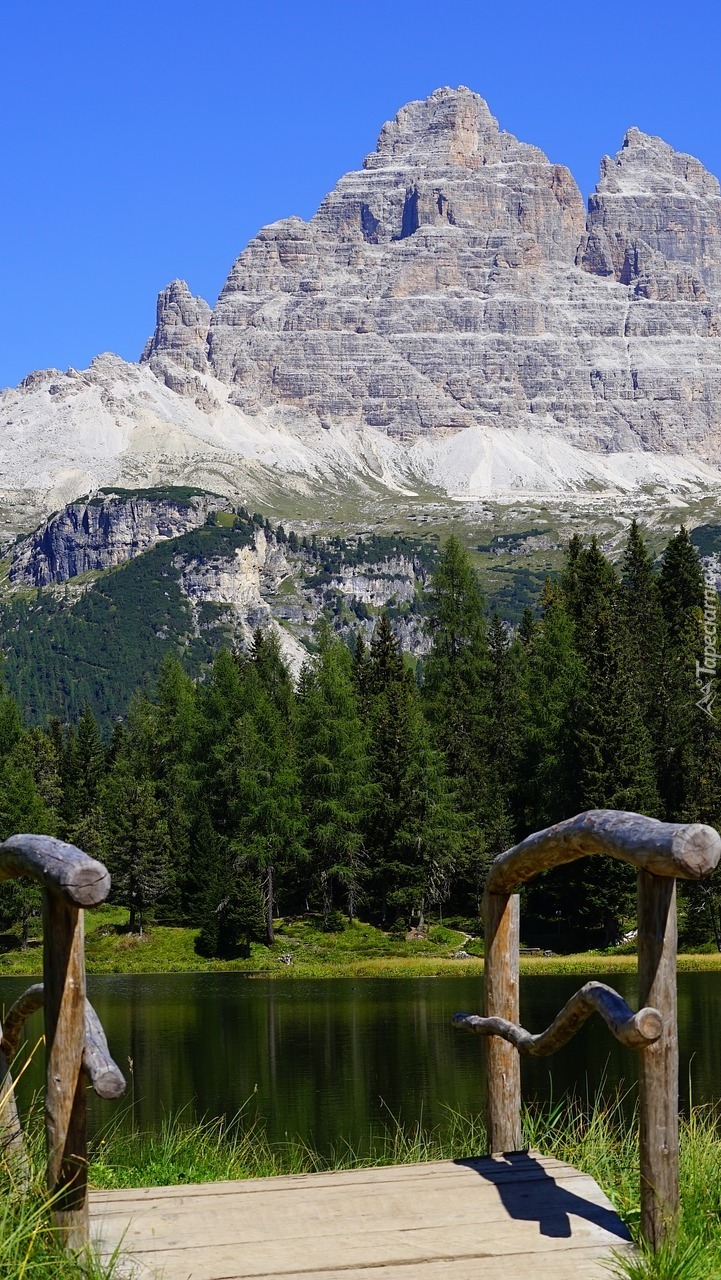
column 488, row 1219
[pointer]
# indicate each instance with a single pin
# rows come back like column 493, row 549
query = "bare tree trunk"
column 327, row 891
column 269, row 930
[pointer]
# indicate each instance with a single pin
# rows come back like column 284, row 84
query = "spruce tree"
column 457, row 697
column 615, row 763
column 681, row 732
column 643, row 623
column 334, row 771
column 231, row 910
column 505, row 734
column 259, row 791
column 22, row 809
column 412, row 833
column 547, row 784
column 138, row 848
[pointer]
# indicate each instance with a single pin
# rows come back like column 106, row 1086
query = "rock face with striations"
column 456, row 281
column 101, row 532
column 452, row 315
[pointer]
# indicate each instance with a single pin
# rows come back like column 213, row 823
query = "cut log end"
column 649, row 1025
column 697, row 848
column 62, row 869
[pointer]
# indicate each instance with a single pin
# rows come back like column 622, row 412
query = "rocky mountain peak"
column 662, row 204
column 452, row 127
column 647, row 165
column 452, row 316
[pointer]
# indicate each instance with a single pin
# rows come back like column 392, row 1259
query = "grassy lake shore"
column 360, row 951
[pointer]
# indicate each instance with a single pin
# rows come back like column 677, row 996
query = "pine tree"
column 138, row 845
column 412, row 831
column 260, row 793
column 22, row 809
column 166, row 727
column 231, row 909
column 505, row 734
column 82, row 766
column 334, row 771
column 644, row 625
column 681, row 731
column 457, row 694
column 548, row 790
column 615, row 764
column 680, row 584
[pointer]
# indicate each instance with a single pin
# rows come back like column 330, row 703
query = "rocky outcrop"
column 101, row 532
column 451, row 316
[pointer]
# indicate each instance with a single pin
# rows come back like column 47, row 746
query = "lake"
column 336, row 1058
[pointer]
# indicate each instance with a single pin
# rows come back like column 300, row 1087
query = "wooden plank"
column 230, row 1224
column 368, row 1254
column 574, row 1264
column 687, row 850
column 658, row 1064
column 501, row 932
column 497, row 1170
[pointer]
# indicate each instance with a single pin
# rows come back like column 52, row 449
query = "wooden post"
column 501, row 914
column 658, row 1063
column 64, row 983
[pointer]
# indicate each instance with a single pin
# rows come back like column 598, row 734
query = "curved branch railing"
column 661, row 853
column 75, row 1042
column 634, row 1030
column 104, row 1074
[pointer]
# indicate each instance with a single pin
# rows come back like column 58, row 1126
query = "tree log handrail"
column 635, row 1030
column 105, row 1075
column 662, row 852
column 61, row 868
column 686, row 851
column 75, row 1044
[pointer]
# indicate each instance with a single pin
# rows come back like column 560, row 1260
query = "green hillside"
column 64, row 651
column 96, row 639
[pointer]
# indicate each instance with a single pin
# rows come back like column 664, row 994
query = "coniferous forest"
column 378, row 790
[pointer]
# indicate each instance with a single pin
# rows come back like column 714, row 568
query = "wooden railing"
column 76, row 1049
column 661, row 852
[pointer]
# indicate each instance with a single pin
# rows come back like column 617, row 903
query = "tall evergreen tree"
column 682, row 729
column 615, row 764
column 552, row 677
column 643, row 621
column 259, row 787
column 457, row 698
column 23, row 808
column 412, row 831
column 138, row 848
column 334, row 771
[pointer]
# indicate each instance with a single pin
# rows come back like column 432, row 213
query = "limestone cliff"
column 103, row 531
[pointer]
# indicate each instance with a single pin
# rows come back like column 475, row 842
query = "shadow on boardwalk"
column 529, row 1194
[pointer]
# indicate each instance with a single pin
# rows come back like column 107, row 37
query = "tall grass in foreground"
column 599, row 1139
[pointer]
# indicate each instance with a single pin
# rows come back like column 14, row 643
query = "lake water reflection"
column 330, row 1059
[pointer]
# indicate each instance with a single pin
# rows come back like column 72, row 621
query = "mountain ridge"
column 452, row 320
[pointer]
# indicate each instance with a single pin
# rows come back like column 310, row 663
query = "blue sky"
column 146, row 141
